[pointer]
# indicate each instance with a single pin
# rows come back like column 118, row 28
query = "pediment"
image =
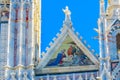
column 67, row 54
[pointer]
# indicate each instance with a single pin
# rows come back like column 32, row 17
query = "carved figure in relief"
column 25, row 76
column 13, row 76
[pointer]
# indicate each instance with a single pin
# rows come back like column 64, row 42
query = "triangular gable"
column 66, row 31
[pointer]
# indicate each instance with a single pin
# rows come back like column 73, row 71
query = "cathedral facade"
column 68, row 57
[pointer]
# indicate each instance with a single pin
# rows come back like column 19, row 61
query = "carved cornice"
column 31, row 66
column 19, row 67
column 7, row 67
column 67, row 69
column 106, row 58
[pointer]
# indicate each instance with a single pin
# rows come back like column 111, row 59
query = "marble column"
column 20, row 34
column 32, row 36
column 8, row 47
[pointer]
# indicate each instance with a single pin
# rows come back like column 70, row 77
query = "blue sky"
column 85, row 14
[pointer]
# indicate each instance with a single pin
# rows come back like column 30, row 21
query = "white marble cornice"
column 67, row 69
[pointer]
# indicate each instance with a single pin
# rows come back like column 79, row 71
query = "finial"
column 77, row 33
column 51, row 43
column 81, row 37
column 47, row 48
column 97, row 30
column 67, row 12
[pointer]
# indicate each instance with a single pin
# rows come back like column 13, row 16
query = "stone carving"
column 13, row 76
column 55, row 78
column 41, row 79
column 4, row 17
column 92, row 77
column 118, row 12
column 67, row 11
column 67, row 77
column 80, row 78
column 25, row 76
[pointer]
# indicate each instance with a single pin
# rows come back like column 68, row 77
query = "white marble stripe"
column 8, row 43
column 32, row 33
column 21, row 22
